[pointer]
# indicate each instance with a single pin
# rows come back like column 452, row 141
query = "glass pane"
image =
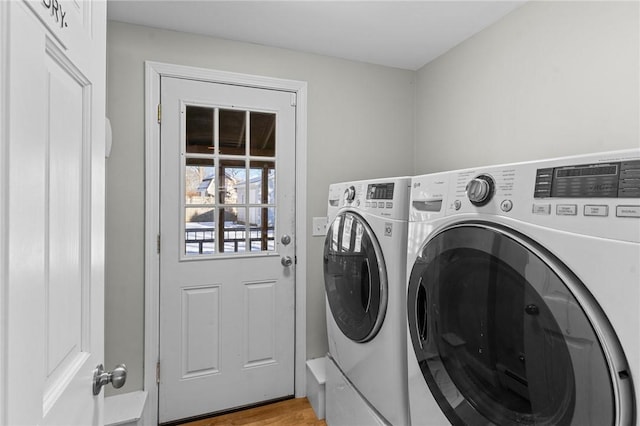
column 228, row 182
column 233, row 131
column 505, row 332
column 234, row 236
column 199, row 181
column 262, row 182
column 261, row 223
column 199, row 232
column 199, row 123
column 354, row 286
column 232, row 178
column 263, row 134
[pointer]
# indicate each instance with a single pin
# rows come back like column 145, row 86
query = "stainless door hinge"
column 294, row 99
column 158, row 372
column 158, row 244
column 159, row 113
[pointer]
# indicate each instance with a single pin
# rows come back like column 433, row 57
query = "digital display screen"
column 610, row 180
column 380, row 191
column 587, row 171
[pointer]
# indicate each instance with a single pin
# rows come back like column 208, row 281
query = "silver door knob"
column 286, row 239
column 117, row 377
column 286, row 261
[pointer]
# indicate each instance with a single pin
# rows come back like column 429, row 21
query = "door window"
column 229, row 181
column 500, row 336
column 355, row 278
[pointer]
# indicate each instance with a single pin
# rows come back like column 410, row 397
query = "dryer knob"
column 480, row 190
column 350, row 194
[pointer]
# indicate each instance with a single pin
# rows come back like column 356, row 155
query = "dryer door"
column 504, row 334
column 355, row 277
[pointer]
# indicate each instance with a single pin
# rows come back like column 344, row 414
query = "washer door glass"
column 504, row 334
column 354, row 277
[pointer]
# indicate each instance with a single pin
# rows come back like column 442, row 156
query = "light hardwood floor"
column 291, row 412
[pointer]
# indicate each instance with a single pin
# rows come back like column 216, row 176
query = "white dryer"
column 523, row 294
column 365, row 284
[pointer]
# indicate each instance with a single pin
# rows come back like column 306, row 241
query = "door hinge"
column 294, row 99
column 159, row 113
column 158, row 373
column 158, row 244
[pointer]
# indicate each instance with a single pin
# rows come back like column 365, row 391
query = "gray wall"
column 360, row 125
column 551, row 79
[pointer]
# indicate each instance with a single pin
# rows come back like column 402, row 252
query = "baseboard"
column 316, row 377
column 124, row 409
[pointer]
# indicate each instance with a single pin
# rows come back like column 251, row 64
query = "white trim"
column 4, row 200
column 153, row 72
column 124, row 409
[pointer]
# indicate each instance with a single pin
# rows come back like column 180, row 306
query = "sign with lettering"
column 56, row 12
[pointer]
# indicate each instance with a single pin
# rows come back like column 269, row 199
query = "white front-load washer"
column 523, row 298
column 365, row 285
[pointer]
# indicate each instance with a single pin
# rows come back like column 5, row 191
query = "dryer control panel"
column 386, row 197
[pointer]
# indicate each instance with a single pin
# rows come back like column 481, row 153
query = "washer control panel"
column 593, row 194
column 619, row 179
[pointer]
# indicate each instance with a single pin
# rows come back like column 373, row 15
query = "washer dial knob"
column 480, row 190
column 349, row 194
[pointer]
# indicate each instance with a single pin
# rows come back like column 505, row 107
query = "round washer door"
column 355, row 277
column 505, row 334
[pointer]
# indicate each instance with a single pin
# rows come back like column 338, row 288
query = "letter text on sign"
column 56, row 11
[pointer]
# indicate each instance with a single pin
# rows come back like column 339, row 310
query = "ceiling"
column 400, row 34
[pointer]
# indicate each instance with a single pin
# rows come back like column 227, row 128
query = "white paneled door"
column 227, row 246
column 52, row 210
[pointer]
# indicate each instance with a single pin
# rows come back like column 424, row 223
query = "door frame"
column 153, row 72
column 4, row 202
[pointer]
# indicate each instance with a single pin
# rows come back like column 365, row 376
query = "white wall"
column 551, row 79
column 360, row 125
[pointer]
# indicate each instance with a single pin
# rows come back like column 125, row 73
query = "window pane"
column 262, row 221
column 199, row 233
column 262, row 182
column 229, row 200
column 233, row 132
column 199, row 123
column 233, row 235
column 232, row 178
column 263, row 134
column 199, row 181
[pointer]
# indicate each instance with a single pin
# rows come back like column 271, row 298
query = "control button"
column 566, row 209
column 457, row 204
column 381, row 204
column 541, row 209
column 591, row 210
column 628, row 211
column 506, row 205
column 389, row 205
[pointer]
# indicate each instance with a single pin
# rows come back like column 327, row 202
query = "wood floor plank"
column 291, row 412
